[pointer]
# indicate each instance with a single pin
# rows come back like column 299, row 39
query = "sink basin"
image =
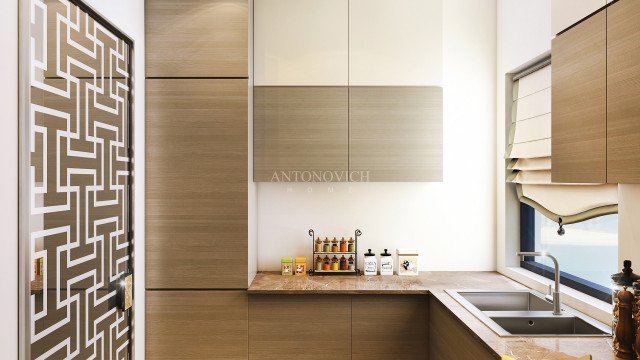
column 526, row 313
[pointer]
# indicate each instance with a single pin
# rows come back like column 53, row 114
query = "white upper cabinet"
column 565, row 13
column 301, row 42
column 395, row 42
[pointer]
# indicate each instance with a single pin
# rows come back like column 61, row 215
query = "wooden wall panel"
column 188, row 325
column 299, row 129
column 393, row 327
column 449, row 340
column 395, row 133
column 299, row 326
column 196, row 38
column 623, row 92
column 196, row 184
column 579, row 102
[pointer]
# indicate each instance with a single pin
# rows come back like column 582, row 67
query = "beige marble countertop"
column 435, row 283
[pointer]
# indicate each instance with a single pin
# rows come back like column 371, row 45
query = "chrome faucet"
column 556, row 290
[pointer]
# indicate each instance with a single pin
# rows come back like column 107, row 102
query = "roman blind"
column 529, row 156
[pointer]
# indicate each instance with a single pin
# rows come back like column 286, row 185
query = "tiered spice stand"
column 354, row 253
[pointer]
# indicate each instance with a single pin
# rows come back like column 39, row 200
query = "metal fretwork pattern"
column 79, row 201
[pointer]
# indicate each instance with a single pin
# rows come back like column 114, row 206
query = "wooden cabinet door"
column 196, row 184
column 623, row 92
column 196, row 38
column 192, row 325
column 305, row 327
column 395, row 133
column 579, row 103
column 390, row 327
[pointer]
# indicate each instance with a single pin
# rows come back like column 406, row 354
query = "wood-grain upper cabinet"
column 579, row 103
column 196, row 184
column 193, row 325
column 623, row 92
column 196, row 38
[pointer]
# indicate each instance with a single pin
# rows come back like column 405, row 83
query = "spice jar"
column 386, row 263
column 335, row 263
column 326, row 246
column 301, row 266
column 287, row 266
column 351, row 263
column 343, row 245
column 318, row 247
column 334, row 245
column 343, row 263
column 318, row 263
column 326, row 263
column 370, row 263
column 352, row 246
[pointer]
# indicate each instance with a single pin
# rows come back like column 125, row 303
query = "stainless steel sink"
column 526, row 313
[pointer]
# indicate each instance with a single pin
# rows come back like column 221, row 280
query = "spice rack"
column 352, row 252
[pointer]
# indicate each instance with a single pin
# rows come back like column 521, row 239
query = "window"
column 587, row 252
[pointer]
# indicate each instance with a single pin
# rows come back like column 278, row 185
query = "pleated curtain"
column 529, row 158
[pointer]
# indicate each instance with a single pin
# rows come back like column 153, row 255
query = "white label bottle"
column 370, row 263
column 386, row 263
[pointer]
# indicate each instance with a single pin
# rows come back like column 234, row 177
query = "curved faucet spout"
column 556, row 290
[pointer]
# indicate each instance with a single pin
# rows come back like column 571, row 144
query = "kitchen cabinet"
column 389, row 326
column 623, row 92
column 395, row 133
column 196, row 184
column 579, row 103
column 300, row 326
column 194, row 325
column 301, row 42
column 299, row 129
column 196, row 38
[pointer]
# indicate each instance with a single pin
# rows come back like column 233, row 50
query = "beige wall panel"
column 196, row 184
column 190, row 325
column 395, row 42
column 623, row 92
column 393, row 327
column 300, row 326
column 299, row 129
column 196, row 38
column 301, row 42
column 579, row 102
column 395, row 133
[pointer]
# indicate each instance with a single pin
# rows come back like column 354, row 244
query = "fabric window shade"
column 529, row 155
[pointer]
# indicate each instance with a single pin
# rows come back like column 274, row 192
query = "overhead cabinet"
column 596, row 97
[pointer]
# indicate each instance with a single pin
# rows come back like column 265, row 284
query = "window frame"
column 527, row 243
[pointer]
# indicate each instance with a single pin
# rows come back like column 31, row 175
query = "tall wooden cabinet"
column 596, row 97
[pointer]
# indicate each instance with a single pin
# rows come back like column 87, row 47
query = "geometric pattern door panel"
column 80, row 184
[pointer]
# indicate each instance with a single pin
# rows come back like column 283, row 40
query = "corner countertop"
column 435, row 284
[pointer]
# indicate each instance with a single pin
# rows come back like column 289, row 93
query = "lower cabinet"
column 448, row 338
column 196, row 324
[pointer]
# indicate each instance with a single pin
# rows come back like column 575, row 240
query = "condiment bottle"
column 386, row 263
column 318, row 263
column 343, row 263
column 343, row 245
column 334, row 245
column 352, row 246
column 621, row 280
column 326, row 263
column 624, row 338
column 318, row 247
column 370, row 263
column 327, row 246
column 335, row 263
column 351, row 262
column 636, row 312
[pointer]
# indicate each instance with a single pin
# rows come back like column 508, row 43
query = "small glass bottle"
column 351, row 263
column 335, row 263
column 318, row 263
column 352, row 246
column 318, row 246
column 334, row 245
column 326, row 263
column 343, row 245
column 343, row 263
column 326, row 246
column 370, row 263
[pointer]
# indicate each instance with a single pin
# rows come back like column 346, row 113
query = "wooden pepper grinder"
column 637, row 317
column 624, row 337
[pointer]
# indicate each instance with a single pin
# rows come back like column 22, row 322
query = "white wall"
column 628, row 225
column 451, row 223
column 128, row 16
column 9, row 180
